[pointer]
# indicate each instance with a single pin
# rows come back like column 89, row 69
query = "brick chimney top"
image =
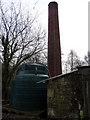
column 53, row 3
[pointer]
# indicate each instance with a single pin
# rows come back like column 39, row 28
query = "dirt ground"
column 9, row 113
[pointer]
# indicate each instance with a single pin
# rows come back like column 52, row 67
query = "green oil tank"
column 26, row 93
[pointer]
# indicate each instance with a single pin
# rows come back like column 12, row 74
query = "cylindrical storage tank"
column 26, row 93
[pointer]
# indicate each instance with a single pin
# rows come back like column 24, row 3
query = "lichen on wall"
column 65, row 97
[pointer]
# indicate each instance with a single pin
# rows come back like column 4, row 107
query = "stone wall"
column 68, row 96
column 85, row 76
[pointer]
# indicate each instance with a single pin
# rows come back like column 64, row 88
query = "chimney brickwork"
column 54, row 49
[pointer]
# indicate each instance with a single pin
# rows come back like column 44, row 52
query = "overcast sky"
column 73, row 22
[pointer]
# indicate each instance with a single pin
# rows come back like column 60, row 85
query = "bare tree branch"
column 20, row 40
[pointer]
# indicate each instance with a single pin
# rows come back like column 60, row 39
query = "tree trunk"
column 5, row 77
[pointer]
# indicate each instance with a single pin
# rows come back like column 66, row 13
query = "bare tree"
column 20, row 40
column 41, row 57
column 72, row 61
column 87, row 59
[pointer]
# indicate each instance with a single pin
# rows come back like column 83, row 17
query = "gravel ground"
column 8, row 113
column 16, row 117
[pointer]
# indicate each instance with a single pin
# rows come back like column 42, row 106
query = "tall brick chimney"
column 54, row 49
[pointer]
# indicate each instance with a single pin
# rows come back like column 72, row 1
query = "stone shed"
column 68, row 95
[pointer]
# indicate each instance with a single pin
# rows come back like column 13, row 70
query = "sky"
column 89, row 26
column 73, row 22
